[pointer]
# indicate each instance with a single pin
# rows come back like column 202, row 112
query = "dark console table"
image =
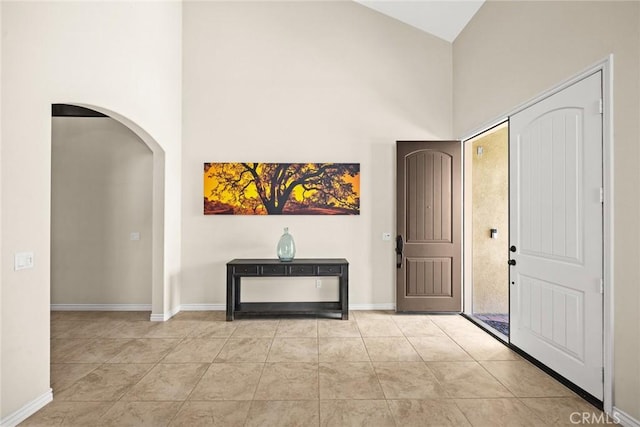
column 239, row 268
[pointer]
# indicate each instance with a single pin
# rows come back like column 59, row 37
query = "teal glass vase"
column 286, row 246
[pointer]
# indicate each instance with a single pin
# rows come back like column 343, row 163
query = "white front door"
column 556, row 229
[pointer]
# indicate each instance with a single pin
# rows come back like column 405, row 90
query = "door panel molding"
column 563, row 239
column 429, row 172
column 566, row 305
column 429, row 277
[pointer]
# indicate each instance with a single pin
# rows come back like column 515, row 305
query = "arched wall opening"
column 131, row 275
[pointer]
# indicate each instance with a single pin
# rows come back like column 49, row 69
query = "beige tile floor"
column 377, row 369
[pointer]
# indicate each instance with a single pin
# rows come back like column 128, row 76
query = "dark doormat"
column 498, row 321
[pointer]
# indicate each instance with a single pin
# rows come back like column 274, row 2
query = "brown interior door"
column 429, row 226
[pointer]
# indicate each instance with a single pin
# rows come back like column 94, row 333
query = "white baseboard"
column 624, row 419
column 27, row 410
column 385, row 306
column 203, row 307
column 163, row 317
column 100, row 307
column 223, row 307
column 159, row 317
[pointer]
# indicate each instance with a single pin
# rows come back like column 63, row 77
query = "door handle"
column 512, row 262
column 399, row 249
column 512, row 248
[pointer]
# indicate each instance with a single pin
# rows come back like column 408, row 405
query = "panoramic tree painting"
column 281, row 188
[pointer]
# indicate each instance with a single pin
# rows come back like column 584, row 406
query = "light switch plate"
column 23, row 260
column 134, row 235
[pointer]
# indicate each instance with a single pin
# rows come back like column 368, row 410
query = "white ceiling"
column 442, row 18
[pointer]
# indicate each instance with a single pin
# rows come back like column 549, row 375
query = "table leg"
column 344, row 292
column 230, row 294
column 237, row 291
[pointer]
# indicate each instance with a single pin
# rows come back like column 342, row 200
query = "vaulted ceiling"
column 442, row 18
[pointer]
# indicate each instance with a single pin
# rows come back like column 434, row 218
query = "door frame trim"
column 467, row 230
column 606, row 67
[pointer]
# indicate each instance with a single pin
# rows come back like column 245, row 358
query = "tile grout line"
column 264, row 363
column 318, row 373
column 194, row 387
column 454, row 400
column 187, row 399
column 182, row 403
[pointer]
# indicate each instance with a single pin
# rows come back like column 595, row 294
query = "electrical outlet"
column 386, row 236
column 318, row 283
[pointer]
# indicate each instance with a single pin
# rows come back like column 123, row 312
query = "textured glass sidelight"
column 286, row 246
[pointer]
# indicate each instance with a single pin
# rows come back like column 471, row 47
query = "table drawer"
column 272, row 270
column 302, row 270
column 251, row 270
column 329, row 270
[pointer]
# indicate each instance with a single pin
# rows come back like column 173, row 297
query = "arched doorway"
column 123, row 232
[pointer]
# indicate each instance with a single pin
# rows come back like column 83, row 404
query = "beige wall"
column 1, row 221
column 122, row 56
column 304, row 82
column 513, row 51
column 490, row 209
column 101, row 181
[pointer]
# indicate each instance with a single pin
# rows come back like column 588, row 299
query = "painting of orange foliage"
column 281, row 188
